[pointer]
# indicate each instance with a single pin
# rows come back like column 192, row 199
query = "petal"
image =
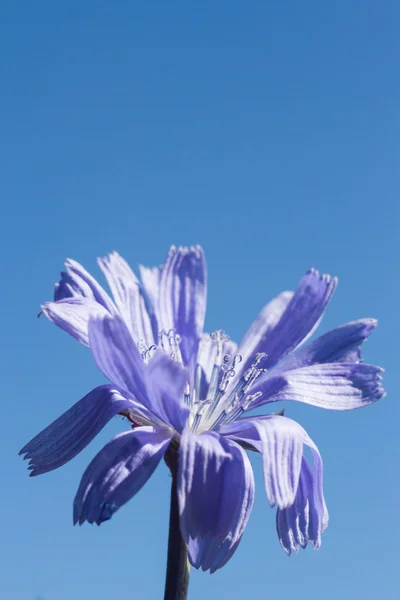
column 118, row 472
column 128, row 296
column 151, row 283
column 89, row 287
column 165, row 382
column 305, row 515
column 206, row 554
column 297, row 321
column 117, row 355
column 181, row 301
column 159, row 386
column 215, row 494
column 336, row 386
column 280, row 441
column 74, row 430
column 67, row 287
column 342, row 344
column 73, row 314
column 307, row 518
column 259, row 330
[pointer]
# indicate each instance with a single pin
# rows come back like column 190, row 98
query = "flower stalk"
column 177, row 575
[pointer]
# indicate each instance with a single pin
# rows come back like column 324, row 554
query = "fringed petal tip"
column 313, row 277
column 290, row 320
column 105, row 513
column 370, row 322
column 290, row 482
column 195, row 249
column 333, row 386
column 323, row 276
column 72, row 314
column 290, row 543
column 304, row 522
column 209, row 555
column 369, row 382
column 296, row 542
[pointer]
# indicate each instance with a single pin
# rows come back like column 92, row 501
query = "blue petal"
column 128, row 297
column 182, row 297
column 77, row 297
column 336, row 386
column 165, row 383
column 159, row 386
column 215, row 493
column 73, row 315
column 118, row 472
column 74, row 430
column 280, row 441
column 67, row 287
column 117, row 355
column 206, row 554
column 151, row 283
column 88, row 285
column 266, row 321
column 287, row 324
column 307, row 518
column 302, row 514
column 342, row 344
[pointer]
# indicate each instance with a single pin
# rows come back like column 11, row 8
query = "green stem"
column 177, row 576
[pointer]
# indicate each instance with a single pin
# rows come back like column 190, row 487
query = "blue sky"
column 268, row 132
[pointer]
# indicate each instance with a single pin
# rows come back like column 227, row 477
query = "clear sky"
column 266, row 131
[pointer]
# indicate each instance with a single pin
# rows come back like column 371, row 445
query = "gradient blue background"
column 269, row 133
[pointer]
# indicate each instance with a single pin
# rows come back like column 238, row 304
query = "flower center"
column 227, row 396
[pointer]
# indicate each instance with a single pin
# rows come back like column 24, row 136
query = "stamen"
column 229, row 366
column 202, row 406
column 237, row 400
column 253, row 372
column 249, row 399
column 147, row 353
column 174, row 341
column 219, row 337
column 141, row 346
column 214, row 394
column 170, row 341
column 253, row 368
column 212, row 388
column 187, row 394
column 235, row 405
column 236, row 410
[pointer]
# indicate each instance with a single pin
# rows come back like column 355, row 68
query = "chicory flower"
column 178, row 385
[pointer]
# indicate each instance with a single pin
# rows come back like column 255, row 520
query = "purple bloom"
column 177, row 384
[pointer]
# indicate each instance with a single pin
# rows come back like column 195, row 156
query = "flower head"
column 178, row 385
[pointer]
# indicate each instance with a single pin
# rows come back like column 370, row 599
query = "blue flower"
column 178, row 385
